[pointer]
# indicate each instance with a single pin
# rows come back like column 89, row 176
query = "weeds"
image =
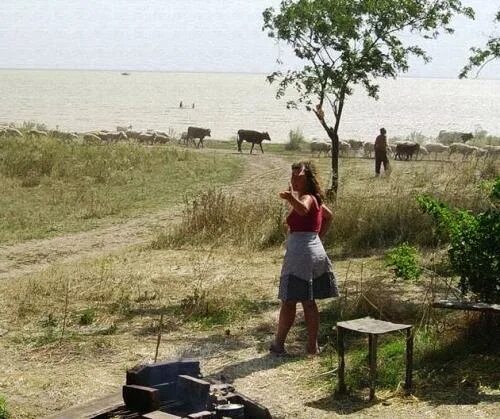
column 296, row 140
column 4, row 413
column 219, row 219
column 404, row 261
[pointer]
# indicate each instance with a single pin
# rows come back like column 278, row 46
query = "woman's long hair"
column 311, row 173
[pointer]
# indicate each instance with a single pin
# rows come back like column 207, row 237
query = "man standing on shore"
column 381, row 153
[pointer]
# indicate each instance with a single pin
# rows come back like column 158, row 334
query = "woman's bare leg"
column 285, row 322
column 311, row 316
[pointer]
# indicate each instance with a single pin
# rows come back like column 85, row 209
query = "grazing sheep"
column 368, row 149
column 133, row 134
column 344, row 148
column 320, row 147
column 355, row 145
column 492, row 150
column 112, row 136
column 422, row 152
column 90, row 138
column 391, row 149
column 37, row 133
column 436, row 148
column 12, row 132
column 160, row 138
column 146, row 138
column 464, row 149
column 123, row 129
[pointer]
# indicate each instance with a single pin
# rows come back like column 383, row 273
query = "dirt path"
column 259, row 176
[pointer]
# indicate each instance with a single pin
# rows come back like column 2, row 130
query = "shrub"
column 474, row 244
column 295, row 140
column 4, row 414
column 87, row 317
column 404, row 260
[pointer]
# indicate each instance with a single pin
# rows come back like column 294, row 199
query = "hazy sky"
column 185, row 35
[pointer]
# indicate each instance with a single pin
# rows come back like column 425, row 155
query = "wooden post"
column 409, row 359
column 341, row 388
column 372, row 355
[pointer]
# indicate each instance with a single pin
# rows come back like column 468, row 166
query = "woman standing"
column 307, row 272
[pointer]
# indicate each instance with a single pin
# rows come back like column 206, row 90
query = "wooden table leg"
column 409, row 359
column 341, row 389
column 372, row 356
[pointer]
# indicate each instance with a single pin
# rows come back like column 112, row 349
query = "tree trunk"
column 334, row 137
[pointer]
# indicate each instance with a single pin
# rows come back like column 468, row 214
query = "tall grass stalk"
column 220, row 219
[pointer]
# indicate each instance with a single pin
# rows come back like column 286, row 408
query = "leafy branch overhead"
column 347, row 42
column 342, row 43
column 483, row 56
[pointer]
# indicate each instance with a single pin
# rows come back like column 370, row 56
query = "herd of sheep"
column 121, row 133
column 448, row 143
column 407, row 150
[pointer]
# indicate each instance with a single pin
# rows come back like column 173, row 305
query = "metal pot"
column 231, row 410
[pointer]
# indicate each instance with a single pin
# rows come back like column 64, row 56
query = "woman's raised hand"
column 287, row 195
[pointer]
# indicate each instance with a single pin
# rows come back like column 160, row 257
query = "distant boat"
column 125, row 74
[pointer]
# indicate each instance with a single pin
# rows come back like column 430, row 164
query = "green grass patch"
column 49, row 187
column 4, row 413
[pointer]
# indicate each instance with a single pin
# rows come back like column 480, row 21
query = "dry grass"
column 219, row 303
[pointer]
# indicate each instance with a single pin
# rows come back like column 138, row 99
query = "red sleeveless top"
column 309, row 222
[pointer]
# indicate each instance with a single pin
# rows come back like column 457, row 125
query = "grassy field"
column 49, row 187
column 70, row 328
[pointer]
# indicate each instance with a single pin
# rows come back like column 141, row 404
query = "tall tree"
column 347, row 42
column 482, row 56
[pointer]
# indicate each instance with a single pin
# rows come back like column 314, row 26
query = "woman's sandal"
column 273, row 349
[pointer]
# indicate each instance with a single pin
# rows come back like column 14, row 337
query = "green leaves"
column 482, row 56
column 404, row 261
column 474, row 251
column 353, row 41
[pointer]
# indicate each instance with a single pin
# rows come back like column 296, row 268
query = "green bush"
column 295, row 140
column 87, row 317
column 4, row 414
column 404, row 261
column 474, row 244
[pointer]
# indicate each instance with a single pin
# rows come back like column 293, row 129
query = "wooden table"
column 373, row 328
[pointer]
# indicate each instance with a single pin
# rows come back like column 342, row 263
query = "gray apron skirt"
column 307, row 273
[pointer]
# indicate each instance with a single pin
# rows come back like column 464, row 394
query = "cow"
column 253, row 137
column 195, row 132
column 320, row 147
column 450, row 137
column 406, row 150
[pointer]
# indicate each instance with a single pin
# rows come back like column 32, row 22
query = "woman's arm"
column 326, row 221
column 302, row 205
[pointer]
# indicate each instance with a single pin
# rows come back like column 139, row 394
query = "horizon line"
column 405, row 76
